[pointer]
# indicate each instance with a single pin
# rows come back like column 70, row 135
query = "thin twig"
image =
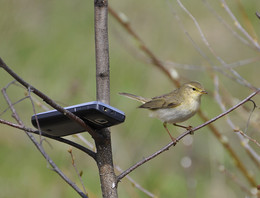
column 229, row 110
column 34, row 111
column 235, row 179
column 165, row 148
column 75, row 167
column 180, row 23
column 238, row 77
column 40, row 148
column 18, row 101
column 236, row 64
column 252, row 153
column 85, row 141
column 50, row 101
column 205, row 118
column 155, row 61
column 222, row 21
column 173, row 143
column 250, row 115
column 247, row 137
column 59, row 139
column 138, row 186
column 239, row 26
column 203, row 37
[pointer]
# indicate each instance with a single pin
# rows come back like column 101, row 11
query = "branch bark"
column 104, row 149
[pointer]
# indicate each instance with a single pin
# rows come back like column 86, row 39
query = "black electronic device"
column 95, row 114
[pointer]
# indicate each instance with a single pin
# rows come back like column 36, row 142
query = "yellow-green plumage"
column 176, row 106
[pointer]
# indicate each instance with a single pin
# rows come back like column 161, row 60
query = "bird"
column 174, row 107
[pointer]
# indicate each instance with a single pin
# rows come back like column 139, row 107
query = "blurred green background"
column 50, row 44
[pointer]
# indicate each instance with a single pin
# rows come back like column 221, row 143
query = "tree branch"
column 104, row 148
column 49, row 100
column 59, row 139
column 165, row 148
column 154, row 59
column 40, row 148
column 214, row 130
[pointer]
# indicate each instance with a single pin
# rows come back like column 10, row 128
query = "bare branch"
column 40, row 148
column 154, row 59
column 203, row 37
column 165, row 148
column 49, row 100
column 75, row 167
column 235, row 179
column 214, row 130
column 63, row 140
column 247, row 137
column 239, row 26
column 250, row 115
column 222, row 21
column 138, row 186
column 252, row 153
column 103, row 146
column 237, row 76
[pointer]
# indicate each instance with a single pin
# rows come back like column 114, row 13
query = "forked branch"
column 49, row 100
column 40, row 148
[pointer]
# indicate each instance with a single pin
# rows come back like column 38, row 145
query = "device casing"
column 95, row 114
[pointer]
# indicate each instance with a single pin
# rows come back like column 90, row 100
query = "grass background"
column 50, row 44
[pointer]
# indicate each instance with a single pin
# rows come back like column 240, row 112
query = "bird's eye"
column 194, row 89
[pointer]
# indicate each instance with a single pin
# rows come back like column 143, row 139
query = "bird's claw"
column 189, row 128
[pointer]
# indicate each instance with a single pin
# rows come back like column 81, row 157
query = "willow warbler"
column 174, row 107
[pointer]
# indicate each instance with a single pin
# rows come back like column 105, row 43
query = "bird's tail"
column 138, row 98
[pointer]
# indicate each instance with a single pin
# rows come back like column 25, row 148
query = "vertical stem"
column 102, row 51
column 104, row 149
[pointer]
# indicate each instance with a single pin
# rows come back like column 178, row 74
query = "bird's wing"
column 138, row 98
column 160, row 103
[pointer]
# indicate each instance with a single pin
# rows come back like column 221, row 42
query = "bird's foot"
column 172, row 138
column 188, row 128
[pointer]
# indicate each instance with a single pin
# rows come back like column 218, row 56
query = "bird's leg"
column 189, row 128
column 165, row 126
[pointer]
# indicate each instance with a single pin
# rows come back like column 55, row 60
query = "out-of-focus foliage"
column 50, row 44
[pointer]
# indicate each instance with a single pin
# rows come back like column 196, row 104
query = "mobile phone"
column 95, row 114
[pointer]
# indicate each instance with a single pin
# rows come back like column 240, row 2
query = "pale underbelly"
column 173, row 115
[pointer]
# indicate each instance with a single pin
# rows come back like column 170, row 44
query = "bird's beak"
column 203, row 92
